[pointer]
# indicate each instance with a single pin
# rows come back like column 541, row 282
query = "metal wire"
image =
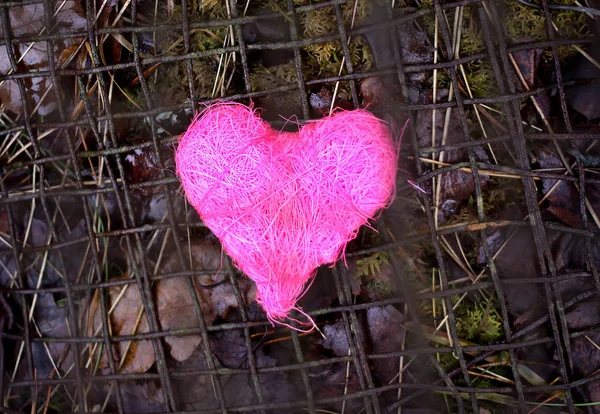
column 111, row 152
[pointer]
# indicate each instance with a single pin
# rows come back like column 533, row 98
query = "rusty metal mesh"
column 33, row 185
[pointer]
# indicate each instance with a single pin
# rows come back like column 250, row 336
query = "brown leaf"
column 51, row 322
column 4, row 222
column 124, row 321
column 146, row 397
column 333, row 380
column 456, row 186
column 586, row 362
column 229, row 351
column 383, row 331
column 373, row 92
column 321, row 101
column 218, row 300
column 563, row 201
column 66, row 54
column 174, row 304
column 524, row 301
column 527, row 61
column 176, row 311
column 384, row 328
column 584, row 315
column 141, row 165
column 170, row 8
column 29, row 20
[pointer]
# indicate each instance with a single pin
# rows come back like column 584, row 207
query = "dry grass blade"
column 342, row 64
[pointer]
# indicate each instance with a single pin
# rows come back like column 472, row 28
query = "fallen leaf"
column 141, row 165
column 563, row 200
column 51, row 320
column 271, row 30
column 218, row 300
column 124, row 321
column 170, row 8
column 586, row 362
column 333, row 380
column 142, row 397
column 321, row 101
column 229, row 349
column 4, row 221
column 456, row 186
column 415, row 48
column 194, row 389
column 375, row 92
column 584, row 98
column 527, row 61
column 335, row 339
column 584, row 315
column 67, row 54
column 525, row 301
column 175, row 310
column 384, row 328
column 30, row 20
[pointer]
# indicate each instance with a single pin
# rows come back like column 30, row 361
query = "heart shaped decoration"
column 282, row 204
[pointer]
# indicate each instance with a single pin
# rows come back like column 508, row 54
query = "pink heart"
column 281, row 203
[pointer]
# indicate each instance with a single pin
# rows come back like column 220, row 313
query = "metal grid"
column 131, row 232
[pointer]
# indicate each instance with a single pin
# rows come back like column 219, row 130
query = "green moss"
column 479, row 323
column 211, row 9
column 327, row 57
column 448, row 361
column 476, row 322
column 319, row 22
column 498, row 196
column 471, row 37
column 172, row 80
column 528, row 22
column 523, row 21
column 361, row 55
column 172, row 83
column 371, row 265
column 570, row 23
column 262, row 78
column 208, row 40
column 478, row 73
column 471, row 42
column 426, row 307
column 325, row 54
column 363, row 12
column 382, row 290
column 480, row 77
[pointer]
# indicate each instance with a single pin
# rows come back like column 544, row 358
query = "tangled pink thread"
column 282, row 203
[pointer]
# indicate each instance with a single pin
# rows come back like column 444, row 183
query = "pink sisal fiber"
column 282, row 204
